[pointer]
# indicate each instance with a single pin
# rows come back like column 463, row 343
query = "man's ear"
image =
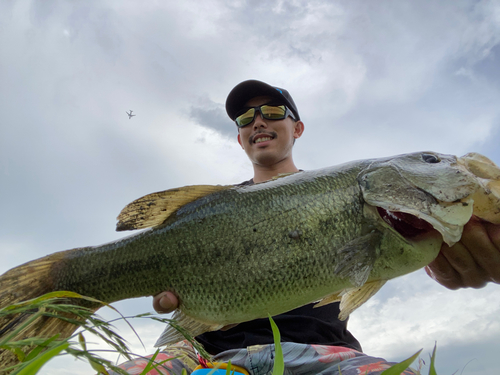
column 298, row 129
column 239, row 141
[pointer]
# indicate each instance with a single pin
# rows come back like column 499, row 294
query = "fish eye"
column 429, row 158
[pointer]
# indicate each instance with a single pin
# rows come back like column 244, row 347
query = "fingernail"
column 165, row 302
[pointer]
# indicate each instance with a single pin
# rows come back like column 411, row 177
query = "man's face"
column 267, row 142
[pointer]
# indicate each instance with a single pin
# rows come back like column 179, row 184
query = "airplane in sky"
column 130, row 115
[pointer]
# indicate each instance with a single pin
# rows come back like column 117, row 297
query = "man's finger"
column 165, row 302
column 441, row 271
column 482, row 240
column 493, row 231
column 462, row 261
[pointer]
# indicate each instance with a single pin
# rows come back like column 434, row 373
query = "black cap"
column 247, row 90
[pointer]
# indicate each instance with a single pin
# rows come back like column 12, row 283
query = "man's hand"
column 165, row 302
column 472, row 262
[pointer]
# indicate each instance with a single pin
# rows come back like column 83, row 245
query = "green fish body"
column 237, row 253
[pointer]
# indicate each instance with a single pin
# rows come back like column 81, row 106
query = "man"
column 314, row 339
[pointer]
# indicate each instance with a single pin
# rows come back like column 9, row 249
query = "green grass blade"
column 96, row 366
column 432, row 369
column 33, row 367
column 198, row 347
column 149, row 366
column 34, row 353
column 398, row 368
column 158, row 365
column 279, row 362
column 21, row 355
column 48, row 296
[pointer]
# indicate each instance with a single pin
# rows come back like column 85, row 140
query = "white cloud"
column 419, row 313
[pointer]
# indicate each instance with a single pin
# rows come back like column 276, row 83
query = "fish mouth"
column 446, row 218
column 407, row 225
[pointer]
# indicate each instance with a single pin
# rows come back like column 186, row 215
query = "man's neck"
column 264, row 173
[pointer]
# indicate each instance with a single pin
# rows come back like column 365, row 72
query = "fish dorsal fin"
column 187, row 324
column 153, row 209
column 353, row 298
column 334, row 297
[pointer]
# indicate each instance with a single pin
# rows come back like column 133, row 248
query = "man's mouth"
column 259, row 138
column 262, row 139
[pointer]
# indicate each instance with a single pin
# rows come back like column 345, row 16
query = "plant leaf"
column 432, row 369
column 149, row 366
column 398, row 368
column 32, row 367
column 40, row 347
column 279, row 363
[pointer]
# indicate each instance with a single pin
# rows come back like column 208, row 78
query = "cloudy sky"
column 370, row 78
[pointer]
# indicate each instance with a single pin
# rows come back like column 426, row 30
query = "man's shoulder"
column 245, row 183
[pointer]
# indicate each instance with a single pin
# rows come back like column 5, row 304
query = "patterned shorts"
column 300, row 359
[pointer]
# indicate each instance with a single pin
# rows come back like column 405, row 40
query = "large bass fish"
column 237, row 253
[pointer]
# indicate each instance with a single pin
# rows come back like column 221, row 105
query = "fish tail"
column 25, row 282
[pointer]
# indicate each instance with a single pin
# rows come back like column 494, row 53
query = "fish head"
column 415, row 193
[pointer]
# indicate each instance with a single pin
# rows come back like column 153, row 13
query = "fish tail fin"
column 26, row 282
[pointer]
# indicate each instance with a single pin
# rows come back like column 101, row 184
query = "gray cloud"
column 213, row 116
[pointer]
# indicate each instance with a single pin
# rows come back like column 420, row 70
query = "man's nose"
column 259, row 121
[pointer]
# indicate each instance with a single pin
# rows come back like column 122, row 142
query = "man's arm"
column 472, row 262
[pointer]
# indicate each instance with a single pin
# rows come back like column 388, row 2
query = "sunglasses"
column 269, row 112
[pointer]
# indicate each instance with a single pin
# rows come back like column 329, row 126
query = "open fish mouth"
column 407, row 225
column 447, row 218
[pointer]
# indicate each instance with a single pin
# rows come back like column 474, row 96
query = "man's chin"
column 266, row 159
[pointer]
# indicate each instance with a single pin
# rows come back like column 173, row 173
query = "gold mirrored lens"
column 272, row 112
column 246, row 118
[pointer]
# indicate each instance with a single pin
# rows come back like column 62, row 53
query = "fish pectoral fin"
column 153, row 209
column 353, row 298
column 182, row 325
column 355, row 260
column 334, row 297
